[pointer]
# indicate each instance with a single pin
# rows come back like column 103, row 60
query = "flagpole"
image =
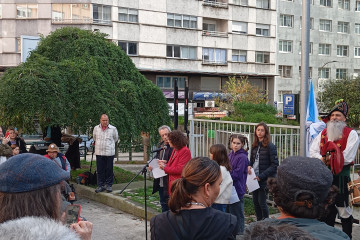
column 305, row 46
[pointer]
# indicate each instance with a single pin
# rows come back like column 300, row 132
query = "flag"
column 312, row 114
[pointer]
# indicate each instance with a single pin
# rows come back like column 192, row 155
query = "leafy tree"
column 240, row 90
column 72, row 78
column 347, row 89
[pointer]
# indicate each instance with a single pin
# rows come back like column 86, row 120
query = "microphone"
column 159, row 149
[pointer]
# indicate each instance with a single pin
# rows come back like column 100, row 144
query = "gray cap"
column 297, row 175
column 28, row 172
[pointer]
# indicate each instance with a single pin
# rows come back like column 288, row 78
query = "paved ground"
column 112, row 224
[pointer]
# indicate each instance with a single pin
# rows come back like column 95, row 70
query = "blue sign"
column 289, row 104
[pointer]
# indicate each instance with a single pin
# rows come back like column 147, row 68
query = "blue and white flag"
column 313, row 125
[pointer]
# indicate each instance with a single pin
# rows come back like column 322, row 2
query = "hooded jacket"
column 36, row 228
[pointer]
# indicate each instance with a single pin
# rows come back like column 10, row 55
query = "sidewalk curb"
column 115, row 201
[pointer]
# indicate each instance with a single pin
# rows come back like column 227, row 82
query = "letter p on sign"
column 288, row 99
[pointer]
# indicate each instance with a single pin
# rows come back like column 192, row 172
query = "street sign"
column 289, row 104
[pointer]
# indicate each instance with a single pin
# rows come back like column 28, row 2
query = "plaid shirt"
column 105, row 140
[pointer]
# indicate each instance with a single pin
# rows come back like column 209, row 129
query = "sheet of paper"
column 252, row 183
column 156, row 171
column 234, row 197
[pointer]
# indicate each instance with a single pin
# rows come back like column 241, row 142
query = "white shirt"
column 105, row 140
column 225, row 187
column 349, row 152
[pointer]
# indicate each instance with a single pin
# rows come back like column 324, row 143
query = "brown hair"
column 288, row 205
column 242, row 139
column 13, row 146
column 196, row 173
column 44, row 202
column 220, row 155
column 266, row 139
column 178, row 139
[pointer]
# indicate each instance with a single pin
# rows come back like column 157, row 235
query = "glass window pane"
column 184, row 52
column 192, row 53
column 167, row 82
column 177, row 51
column 160, row 81
column 123, row 46
column 170, row 20
column 107, row 13
column 132, row 49
column 178, row 20
column 181, row 82
column 186, row 21
column 169, row 50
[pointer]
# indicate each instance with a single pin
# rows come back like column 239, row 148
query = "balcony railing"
column 215, row 4
column 72, row 21
column 214, row 33
column 214, row 62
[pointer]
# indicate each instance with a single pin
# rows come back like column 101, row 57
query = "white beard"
column 335, row 130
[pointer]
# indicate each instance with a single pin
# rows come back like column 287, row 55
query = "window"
column 169, row 81
column 357, row 52
column 185, row 52
column 262, row 30
column 238, row 55
column 70, row 13
column 211, row 27
column 241, row 2
column 343, row 27
column 285, row 71
column 27, row 10
column 325, row 25
column 214, row 55
column 263, row 4
column 344, row 4
column 285, row 46
column 310, row 72
column 325, row 3
column 182, row 21
column 311, row 23
column 357, row 28
column 286, row 20
column 324, row 49
column 0, row 11
column 324, row 73
column 341, row 73
column 101, row 14
column 128, row 15
column 357, row 6
column 262, row 57
column 342, row 51
column 130, row 48
column 239, row 27
column 310, row 48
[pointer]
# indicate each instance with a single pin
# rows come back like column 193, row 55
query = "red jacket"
column 176, row 164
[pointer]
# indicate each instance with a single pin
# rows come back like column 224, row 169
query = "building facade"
column 334, row 43
column 198, row 42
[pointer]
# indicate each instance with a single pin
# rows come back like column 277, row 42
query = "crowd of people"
column 201, row 198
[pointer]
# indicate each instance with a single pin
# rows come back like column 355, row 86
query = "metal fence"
column 204, row 133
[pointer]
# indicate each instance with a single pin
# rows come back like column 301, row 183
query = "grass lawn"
column 121, row 175
column 154, row 202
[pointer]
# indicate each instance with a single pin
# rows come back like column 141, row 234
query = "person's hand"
column 162, row 164
column 83, row 229
column 150, row 168
column 249, row 170
column 257, row 178
column 6, row 140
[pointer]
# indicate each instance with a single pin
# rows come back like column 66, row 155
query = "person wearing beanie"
column 30, row 200
column 345, row 141
column 302, row 190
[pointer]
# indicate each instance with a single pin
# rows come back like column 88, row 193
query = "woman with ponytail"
column 191, row 215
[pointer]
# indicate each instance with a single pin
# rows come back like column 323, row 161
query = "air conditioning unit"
column 209, row 103
column 355, row 75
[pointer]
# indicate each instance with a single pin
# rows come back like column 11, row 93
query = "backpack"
column 88, row 178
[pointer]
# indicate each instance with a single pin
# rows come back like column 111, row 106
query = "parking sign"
column 289, row 104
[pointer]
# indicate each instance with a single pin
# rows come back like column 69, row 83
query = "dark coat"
column 162, row 156
column 205, row 223
column 268, row 161
column 21, row 143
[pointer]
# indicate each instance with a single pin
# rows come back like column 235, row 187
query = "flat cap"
column 28, row 172
column 297, row 175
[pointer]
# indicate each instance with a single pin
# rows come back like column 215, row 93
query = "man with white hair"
column 347, row 142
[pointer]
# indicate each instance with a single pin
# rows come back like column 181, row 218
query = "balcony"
column 216, row 3
column 215, row 27
column 214, row 33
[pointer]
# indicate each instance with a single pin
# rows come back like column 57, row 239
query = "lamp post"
column 322, row 84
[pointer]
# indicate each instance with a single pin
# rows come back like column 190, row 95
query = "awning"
column 206, row 95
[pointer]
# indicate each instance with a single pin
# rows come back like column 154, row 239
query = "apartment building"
column 334, row 43
column 201, row 42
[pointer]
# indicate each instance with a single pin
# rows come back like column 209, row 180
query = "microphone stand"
column 143, row 171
